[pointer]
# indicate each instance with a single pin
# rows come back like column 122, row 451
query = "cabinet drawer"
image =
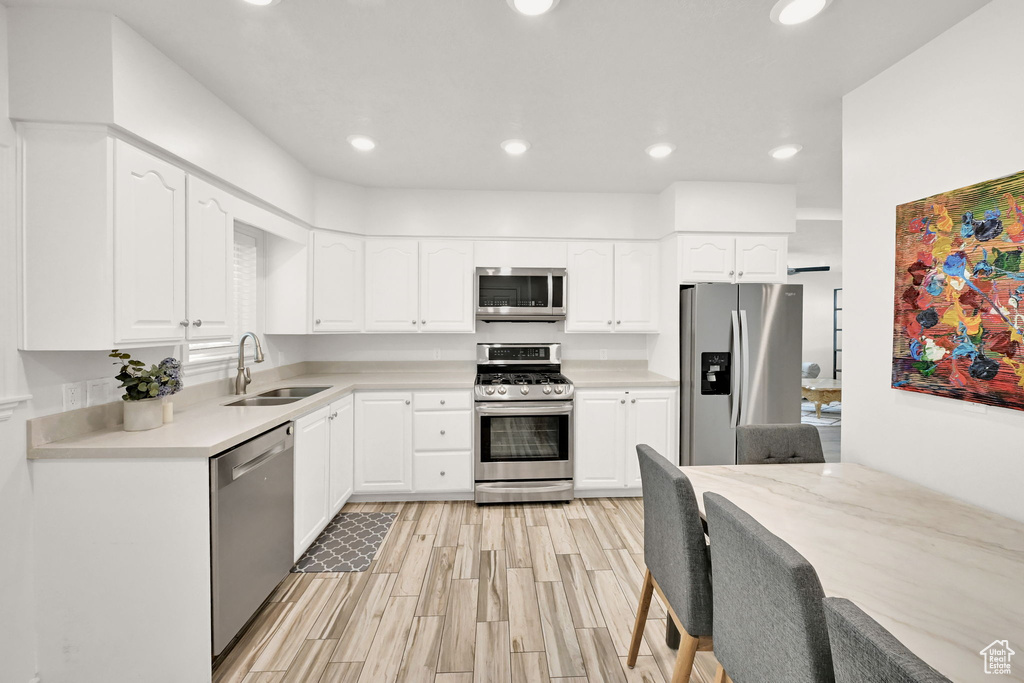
column 448, row 431
column 443, row 471
column 442, row 400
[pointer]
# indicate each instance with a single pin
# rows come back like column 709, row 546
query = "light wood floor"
column 460, row 593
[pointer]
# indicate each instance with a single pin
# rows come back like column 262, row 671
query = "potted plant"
column 145, row 389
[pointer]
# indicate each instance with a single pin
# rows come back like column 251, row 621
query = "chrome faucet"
column 243, row 379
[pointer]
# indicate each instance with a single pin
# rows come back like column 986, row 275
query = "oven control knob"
column 524, row 390
column 501, row 390
column 547, row 390
column 489, row 390
column 558, row 389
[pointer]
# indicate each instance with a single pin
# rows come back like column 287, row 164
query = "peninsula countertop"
column 206, row 428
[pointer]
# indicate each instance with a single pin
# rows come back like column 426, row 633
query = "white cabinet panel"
column 392, row 285
column 149, row 247
column 636, row 287
column 443, row 431
column 383, row 442
column 708, row 258
column 211, row 230
column 312, row 456
column 442, row 400
column 591, row 289
column 761, row 258
column 651, row 419
column 337, row 283
column 599, row 435
column 443, row 472
column 446, row 286
column 342, row 448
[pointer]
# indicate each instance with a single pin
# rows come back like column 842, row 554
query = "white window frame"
column 208, row 356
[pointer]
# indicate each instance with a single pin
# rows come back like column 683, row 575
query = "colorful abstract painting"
column 959, row 286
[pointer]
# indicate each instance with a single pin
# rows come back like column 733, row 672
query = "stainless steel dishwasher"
column 251, row 512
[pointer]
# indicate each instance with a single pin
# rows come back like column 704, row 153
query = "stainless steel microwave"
column 520, row 294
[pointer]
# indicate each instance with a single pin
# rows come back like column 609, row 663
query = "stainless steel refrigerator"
column 740, row 357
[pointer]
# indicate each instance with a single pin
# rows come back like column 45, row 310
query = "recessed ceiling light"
column 661, row 150
column 263, row 3
column 515, row 147
column 785, row 151
column 789, row 12
column 532, row 8
column 362, row 142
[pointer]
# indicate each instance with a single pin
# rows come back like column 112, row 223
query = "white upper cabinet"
column 612, row 287
column 591, row 304
column 211, row 228
column 392, row 285
column 761, row 258
column 725, row 258
column 149, row 248
column 446, row 286
column 337, row 283
column 636, row 287
column 708, row 258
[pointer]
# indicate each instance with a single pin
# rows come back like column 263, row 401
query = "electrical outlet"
column 74, row 395
column 437, row 354
column 99, row 391
column 604, row 354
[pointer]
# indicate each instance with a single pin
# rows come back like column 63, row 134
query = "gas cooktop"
column 520, row 372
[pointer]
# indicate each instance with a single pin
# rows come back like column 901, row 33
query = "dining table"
column 945, row 577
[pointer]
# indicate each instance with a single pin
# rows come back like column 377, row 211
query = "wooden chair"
column 678, row 564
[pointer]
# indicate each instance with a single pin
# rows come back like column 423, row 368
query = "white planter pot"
column 142, row 415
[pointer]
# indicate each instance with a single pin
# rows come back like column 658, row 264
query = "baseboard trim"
column 408, row 497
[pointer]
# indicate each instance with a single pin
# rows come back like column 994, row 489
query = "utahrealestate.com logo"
column 997, row 657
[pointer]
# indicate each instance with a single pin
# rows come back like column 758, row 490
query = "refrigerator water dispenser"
column 715, row 373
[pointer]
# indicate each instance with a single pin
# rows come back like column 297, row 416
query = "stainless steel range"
column 524, row 424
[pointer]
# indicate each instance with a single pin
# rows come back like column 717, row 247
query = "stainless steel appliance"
column 251, row 494
column 520, row 294
column 740, row 356
column 524, row 424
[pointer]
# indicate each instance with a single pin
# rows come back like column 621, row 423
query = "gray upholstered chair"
column 778, row 444
column 769, row 622
column 864, row 651
column 676, row 555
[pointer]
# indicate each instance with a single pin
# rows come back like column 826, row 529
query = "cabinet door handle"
column 442, row 473
column 318, row 321
column 741, row 273
column 618, row 322
column 609, row 322
column 442, row 401
column 423, row 322
column 197, row 323
column 633, row 400
column 413, row 322
column 442, row 432
column 184, row 323
column 407, row 401
column 732, row 272
column 623, row 401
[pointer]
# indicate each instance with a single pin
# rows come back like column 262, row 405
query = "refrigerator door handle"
column 745, row 351
column 737, row 341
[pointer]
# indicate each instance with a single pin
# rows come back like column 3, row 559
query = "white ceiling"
column 440, row 83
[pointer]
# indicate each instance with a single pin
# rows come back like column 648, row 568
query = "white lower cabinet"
column 312, row 445
column 609, row 425
column 443, row 442
column 342, row 451
column 383, row 442
column 323, row 468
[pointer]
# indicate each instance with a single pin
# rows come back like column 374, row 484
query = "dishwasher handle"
column 239, row 471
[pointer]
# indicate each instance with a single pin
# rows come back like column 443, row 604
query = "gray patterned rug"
column 347, row 544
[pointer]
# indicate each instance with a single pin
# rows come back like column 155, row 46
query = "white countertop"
column 209, row 427
column 943, row 576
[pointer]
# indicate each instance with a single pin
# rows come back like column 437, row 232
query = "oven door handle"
column 532, row 408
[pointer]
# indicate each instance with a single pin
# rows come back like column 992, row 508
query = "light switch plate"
column 99, row 391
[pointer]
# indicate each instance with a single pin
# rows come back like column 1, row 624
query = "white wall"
column 818, row 243
column 943, row 118
column 393, row 347
column 733, row 207
column 17, row 621
column 458, row 213
column 90, row 67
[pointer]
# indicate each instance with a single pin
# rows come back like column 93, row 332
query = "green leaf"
column 1008, row 261
column 136, row 363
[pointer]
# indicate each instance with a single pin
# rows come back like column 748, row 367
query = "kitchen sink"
column 292, row 392
column 266, row 401
column 278, row 397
